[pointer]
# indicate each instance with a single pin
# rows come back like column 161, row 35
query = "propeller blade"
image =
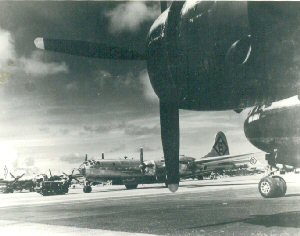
column 65, row 174
column 72, row 172
column 88, row 49
column 19, row 177
column 50, row 172
column 169, row 120
column 163, row 6
column 12, row 175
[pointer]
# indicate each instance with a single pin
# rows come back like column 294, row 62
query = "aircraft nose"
column 81, row 169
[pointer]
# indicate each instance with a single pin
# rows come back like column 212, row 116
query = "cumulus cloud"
column 95, row 129
column 34, row 65
column 73, row 158
column 130, row 16
column 7, row 50
column 103, row 128
column 142, row 130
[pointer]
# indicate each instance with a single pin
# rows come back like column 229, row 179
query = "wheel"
column 281, row 186
column 267, row 187
column 44, row 192
column 131, row 186
column 270, row 187
column 87, row 189
column 200, row 177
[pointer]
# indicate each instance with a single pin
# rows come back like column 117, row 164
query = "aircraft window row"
column 254, row 117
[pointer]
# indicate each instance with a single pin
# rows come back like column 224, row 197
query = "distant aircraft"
column 121, row 172
column 218, row 160
column 133, row 172
column 9, row 186
column 275, row 129
column 210, row 56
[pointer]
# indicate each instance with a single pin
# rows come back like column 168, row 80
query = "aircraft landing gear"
column 87, row 188
column 131, row 186
column 272, row 185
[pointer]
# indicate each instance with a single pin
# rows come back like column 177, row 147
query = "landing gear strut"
column 272, row 185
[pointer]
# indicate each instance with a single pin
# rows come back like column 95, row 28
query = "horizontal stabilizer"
column 87, row 49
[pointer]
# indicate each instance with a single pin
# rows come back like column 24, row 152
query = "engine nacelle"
column 224, row 55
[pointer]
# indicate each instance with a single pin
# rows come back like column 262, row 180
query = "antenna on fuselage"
column 85, row 157
column 141, row 155
column 102, row 155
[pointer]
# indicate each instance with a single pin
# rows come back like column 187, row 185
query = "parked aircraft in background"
column 217, row 161
column 133, row 172
column 209, row 56
column 16, row 184
column 275, row 129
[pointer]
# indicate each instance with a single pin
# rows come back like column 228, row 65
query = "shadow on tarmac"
column 292, row 195
column 284, row 219
column 211, row 185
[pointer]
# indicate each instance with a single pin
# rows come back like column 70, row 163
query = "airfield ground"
column 227, row 206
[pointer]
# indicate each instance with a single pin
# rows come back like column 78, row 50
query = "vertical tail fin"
column 141, row 155
column 220, row 147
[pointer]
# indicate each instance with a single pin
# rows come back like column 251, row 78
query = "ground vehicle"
column 51, row 186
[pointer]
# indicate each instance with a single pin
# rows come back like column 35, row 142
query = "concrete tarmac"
column 227, row 206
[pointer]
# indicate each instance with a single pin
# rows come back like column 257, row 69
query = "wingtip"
column 39, row 43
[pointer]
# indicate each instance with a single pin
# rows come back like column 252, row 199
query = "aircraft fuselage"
column 120, row 172
column 276, row 128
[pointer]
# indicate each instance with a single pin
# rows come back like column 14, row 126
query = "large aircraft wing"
column 248, row 158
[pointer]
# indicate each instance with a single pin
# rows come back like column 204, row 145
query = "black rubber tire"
column 200, row 177
column 268, row 187
column 87, row 189
column 281, row 186
column 131, row 186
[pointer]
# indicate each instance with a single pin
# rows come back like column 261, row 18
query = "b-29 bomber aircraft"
column 130, row 172
column 210, row 56
column 15, row 184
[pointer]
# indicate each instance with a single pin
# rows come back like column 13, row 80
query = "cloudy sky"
column 55, row 108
